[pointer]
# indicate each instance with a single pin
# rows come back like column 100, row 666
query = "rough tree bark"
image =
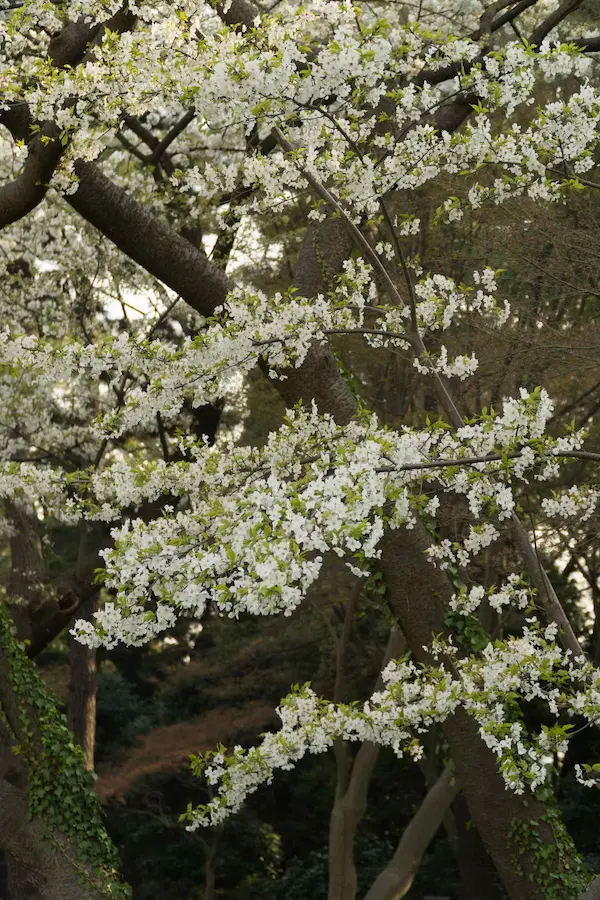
column 475, row 868
column 42, row 867
column 593, row 890
column 81, row 707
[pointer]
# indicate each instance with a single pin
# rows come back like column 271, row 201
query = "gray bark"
column 592, row 891
column 81, row 715
column 43, row 867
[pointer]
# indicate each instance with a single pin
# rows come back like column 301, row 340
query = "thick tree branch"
column 28, row 189
column 587, row 44
column 70, row 46
column 145, row 239
column 45, row 149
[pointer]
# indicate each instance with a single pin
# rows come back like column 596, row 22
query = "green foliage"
column 60, row 790
column 468, row 632
column 121, row 714
column 306, row 878
column 558, row 869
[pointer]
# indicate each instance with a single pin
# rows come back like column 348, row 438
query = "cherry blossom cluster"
column 283, row 72
column 519, row 669
column 578, row 502
column 515, row 592
column 280, row 329
column 257, row 521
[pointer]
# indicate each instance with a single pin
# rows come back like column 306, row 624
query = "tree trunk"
column 476, row 869
column 593, row 890
column 39, row 868
column 418, row 595
column 342, row 870
column 20, row 880
column 82, row 689
column 210, row 887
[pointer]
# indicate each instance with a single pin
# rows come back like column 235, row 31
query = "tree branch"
column 145, row 239
column 28, row 189
column 552, row 20
column 171, row 136
column 587, row 44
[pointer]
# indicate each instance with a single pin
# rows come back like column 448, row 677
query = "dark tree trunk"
column 82, row 689
column 19, row 881
column 418, row 595
column 477, row 872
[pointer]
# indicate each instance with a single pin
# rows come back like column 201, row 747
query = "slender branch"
column 356, row 233
column 552, row 20
column 171, row 136
column 477, row 460
column 567, row 177
column 545, row 590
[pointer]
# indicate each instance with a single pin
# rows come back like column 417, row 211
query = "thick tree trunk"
column 593, row 890
column 39, row 868
column 418, row 595
column 475, row 867
column 396, row 879
column 82, row 689
column 27, row 587
column 20, row 881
